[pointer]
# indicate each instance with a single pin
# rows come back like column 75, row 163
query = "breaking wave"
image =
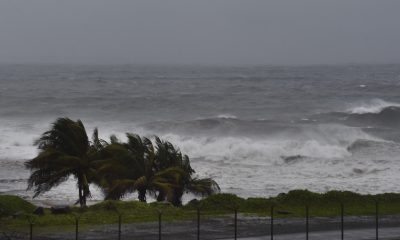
column 227, row 116
column 382, row 114
column 373, row 106
column 222, row 124
column 375, row 149
column 325, row 141
column 388, row 116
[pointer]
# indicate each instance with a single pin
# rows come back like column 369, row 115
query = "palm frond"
column 203, row 187
column 97, row 142
column 44, row 179
column 120, row 188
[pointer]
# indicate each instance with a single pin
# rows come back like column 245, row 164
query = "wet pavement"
column 353, row 234
column 248, row 228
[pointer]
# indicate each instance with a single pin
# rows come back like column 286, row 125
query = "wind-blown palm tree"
column 174, row 174
column 168, row 157
column 131, row 168
column 65, row 151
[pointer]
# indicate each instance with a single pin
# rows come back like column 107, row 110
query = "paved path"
column 249, row 228
column 353, row 234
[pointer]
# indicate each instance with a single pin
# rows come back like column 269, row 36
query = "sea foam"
column 372, row 106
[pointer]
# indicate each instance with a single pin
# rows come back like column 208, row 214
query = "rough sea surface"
column 257, row 130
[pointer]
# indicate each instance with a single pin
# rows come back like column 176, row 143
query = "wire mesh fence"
column 203, row 224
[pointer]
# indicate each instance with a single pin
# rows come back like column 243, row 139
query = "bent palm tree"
column 188, row 184
column 131, row 168
column 65, row 151
column 139, row 166
column 197, row 186
column 170, row 157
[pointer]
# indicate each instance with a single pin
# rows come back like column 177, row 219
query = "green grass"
column 291, row 204
column 12, row 204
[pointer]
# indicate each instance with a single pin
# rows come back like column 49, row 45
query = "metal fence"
column 197, row 226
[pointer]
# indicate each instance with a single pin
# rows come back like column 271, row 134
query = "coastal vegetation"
column 118, row 168
column 286, row 205
column 158, row 169
column 65, row 151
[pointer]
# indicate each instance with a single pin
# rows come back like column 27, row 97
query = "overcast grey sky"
column 200, row 31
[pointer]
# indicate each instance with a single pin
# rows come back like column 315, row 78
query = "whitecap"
column 372, row 106
column 227, row 116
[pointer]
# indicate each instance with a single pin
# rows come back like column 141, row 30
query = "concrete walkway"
column 353, row 234
column 249, row 228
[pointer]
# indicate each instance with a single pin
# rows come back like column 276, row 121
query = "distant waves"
column 257, row 130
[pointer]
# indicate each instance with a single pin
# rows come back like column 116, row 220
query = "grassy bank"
column 291, row 204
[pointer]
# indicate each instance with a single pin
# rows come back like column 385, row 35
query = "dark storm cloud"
column 201, row 31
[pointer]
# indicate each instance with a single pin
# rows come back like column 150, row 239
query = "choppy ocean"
column 257, row 130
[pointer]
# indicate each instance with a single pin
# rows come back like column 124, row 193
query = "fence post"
column 236, row 211
column 342, row 220
column 307, row 217
column 76, row 217
column 119, row 225
column 159, row 224
column 31, row 221
column 198, row 223
column 272, row 222
column 377, row 219
column 119, row 214
column 76, row 227
column 30, row 231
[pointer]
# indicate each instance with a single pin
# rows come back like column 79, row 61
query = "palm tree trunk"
column 142, row 195
column 161, row 196
column 85, row 190
column 80, row 193
column 177, row 198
